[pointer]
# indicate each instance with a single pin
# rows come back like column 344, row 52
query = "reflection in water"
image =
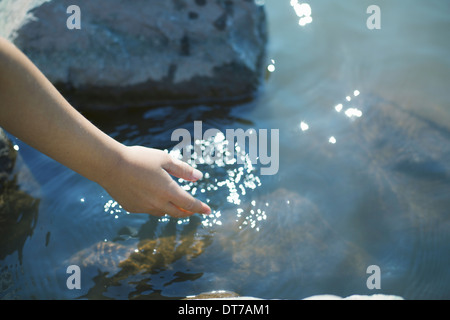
column 303, row 11
column 351, row 111
column 304, row 126
column 114, row 208
column 230, row 179
column 271, row 66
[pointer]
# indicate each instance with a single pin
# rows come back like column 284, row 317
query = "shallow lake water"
column 364, row 176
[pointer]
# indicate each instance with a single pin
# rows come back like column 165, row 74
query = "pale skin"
column 138, row 178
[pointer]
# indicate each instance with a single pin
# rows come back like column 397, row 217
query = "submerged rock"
column 143, row 52
column 228, row 295
column 253, row 255
column 7, row 158
column 112, row 263
column 18, row 209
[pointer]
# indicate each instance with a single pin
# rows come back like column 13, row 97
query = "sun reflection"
column 226, row 183
column 303, row 11
column 271, row 66
column 351, row 110
column 113, row 207
column 304, row 126
column 234, row 177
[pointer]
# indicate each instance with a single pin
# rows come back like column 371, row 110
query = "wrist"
column 112, row 161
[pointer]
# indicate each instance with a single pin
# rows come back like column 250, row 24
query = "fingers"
column 185, row 201
column 182, row 170
column 182, row 204
column 177, row 212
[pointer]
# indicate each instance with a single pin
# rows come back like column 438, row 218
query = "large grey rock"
column 143, row 51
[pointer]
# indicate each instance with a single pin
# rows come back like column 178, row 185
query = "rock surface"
column 7, row 158
column 144, row 52
column 18, row 210
column 319, row 251
column 227, row 295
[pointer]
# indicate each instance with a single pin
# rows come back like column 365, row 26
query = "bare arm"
column 138, row 178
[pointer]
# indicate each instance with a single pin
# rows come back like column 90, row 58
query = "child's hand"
column 140, row 183
column 138, row 178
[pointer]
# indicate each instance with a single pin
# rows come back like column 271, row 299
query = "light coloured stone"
column 143, row 52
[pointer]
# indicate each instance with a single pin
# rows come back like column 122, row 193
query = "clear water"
column 368, row 185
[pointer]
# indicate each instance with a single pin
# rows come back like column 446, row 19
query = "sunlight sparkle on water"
column 303, row 11
column 304, row 126
column 112, row 207
column 351, row 111
column 271, row 66
column 228, row 180
column 232, row 178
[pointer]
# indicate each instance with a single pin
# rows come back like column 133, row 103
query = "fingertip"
column 196, row 174
column 183, row 170
column 205, row 209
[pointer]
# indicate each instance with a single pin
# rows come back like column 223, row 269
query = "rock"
column 252, row 256
column 18, row 209
column 7, row 158
column 355, row 297
column 123, row 260
column 144, row 52
column 103, row 255
column 228, row 295
column 299, row 241
column 215, row 295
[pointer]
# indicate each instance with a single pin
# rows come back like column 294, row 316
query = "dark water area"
column 364, row 177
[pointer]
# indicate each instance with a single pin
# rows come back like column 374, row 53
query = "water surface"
column 363, row 180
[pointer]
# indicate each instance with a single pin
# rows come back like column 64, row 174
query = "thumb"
column 182, row 170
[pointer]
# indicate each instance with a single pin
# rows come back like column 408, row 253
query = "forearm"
column 35, row 112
